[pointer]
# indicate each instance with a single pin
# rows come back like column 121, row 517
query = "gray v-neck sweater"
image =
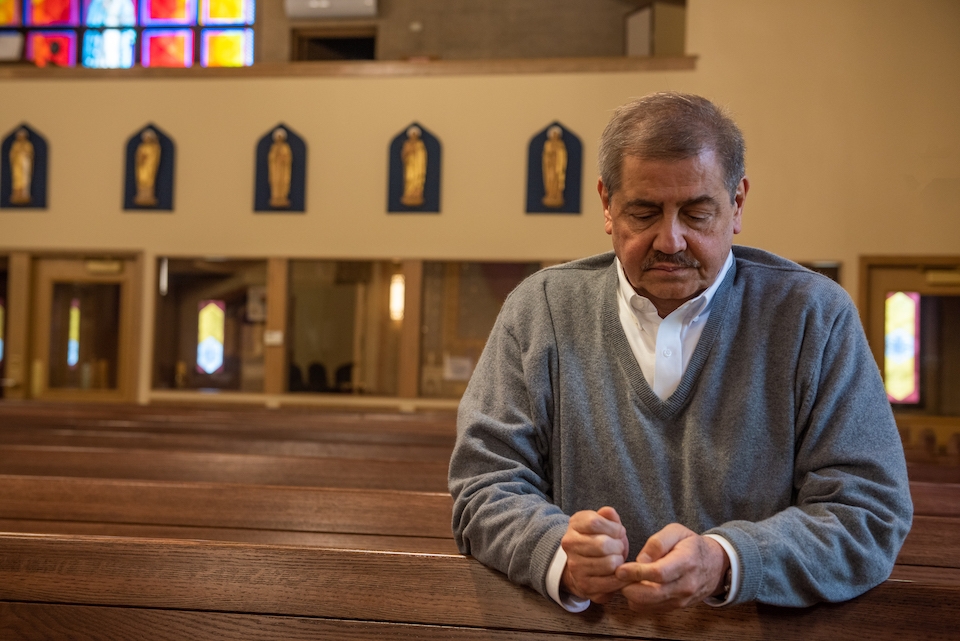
column 779, row 437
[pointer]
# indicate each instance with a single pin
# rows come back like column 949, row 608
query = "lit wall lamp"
column 164, row 276
column 396, row 297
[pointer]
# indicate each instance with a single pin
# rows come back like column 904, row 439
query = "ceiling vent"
column 320, row 9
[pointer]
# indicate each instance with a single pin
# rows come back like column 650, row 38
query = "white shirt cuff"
column 568, row 602
column 734, row 572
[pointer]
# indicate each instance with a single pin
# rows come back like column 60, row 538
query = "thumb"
column 610, row 514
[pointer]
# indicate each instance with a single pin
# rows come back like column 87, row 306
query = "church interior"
column 248, row 264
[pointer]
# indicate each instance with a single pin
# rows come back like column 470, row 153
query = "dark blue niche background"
column 164, row 180
column 571, row 191
column 298, row 173
column 431, row 186
column 38, row 182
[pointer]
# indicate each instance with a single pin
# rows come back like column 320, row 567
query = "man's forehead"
column 702, row 170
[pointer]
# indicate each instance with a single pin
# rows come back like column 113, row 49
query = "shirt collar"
column 690, row 309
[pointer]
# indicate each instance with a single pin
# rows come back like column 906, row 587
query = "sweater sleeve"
column 852, row 507
column 503, row 512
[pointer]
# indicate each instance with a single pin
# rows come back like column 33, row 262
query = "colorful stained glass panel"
column 52, row 47
column 109, row 49
column 52, row 13
column 210, row 336
column 10, row 13
column 168, row 12
column 901, row 354
column 167, row 48
column 226, row 12
column 109, row 13
column 73, row 343
column 226, row 47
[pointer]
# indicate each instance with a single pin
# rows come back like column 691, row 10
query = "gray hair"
column 671, row 126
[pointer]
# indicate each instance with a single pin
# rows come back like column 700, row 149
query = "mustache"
column 679, row 259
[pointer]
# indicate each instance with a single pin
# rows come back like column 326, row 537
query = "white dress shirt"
column 662, row 347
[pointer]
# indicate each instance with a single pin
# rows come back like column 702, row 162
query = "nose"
column 670, row 236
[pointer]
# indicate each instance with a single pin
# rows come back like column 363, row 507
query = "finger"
column 610, row 514
column 596, row 545
column 682, row 560
column 669, row 569
column 663, row 541
column 652, row 597
column 590, row 522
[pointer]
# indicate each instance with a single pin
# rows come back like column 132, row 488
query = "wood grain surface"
column 414, row 588
column 303, row 509
column 42, row 622
column 215, row 467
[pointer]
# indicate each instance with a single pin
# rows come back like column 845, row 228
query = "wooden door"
column 85, row 334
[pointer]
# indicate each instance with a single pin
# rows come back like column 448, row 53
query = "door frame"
column 48, row 270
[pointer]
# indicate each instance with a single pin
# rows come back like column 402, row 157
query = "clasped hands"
column 675, row 568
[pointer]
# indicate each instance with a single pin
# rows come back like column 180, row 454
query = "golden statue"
column 414, row 157
column 146, row 162
column 21, row 168
column 554, row 162
column 279, row 162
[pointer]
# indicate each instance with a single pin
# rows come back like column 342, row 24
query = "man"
column 679, row 420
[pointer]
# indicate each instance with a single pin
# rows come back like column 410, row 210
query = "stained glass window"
column 226, row 12
column 168, row 12
column 210, row 336
column 901, row 362
column 52, row 13
column 73, row 342
column 109, row 49
column 9, row 13
column 157, row 33
column 109, row 13
column 52, row 48
column 226, row 48
column 167, row 48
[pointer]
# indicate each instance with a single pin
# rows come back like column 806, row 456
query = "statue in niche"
column 554, row 163
column 414, row 157
column 279, row 163
column 146, row 162
column 21, row 168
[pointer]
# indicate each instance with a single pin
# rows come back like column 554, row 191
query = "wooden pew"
column 146, row 437
column 426, row 476
column 400, row 521
column 215, row 505
column 438, row 428
column 240, row 587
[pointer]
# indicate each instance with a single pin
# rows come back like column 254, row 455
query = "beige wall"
column 849, row 110
column 457, row 29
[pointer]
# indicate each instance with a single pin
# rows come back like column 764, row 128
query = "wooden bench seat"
column 324, row 444
column 420, row 589
column 371, row 542
column 426, row 476
column 215, row 505
column 384, row 424
column 233, row 512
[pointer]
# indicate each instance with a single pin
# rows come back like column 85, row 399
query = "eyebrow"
column 640, row 202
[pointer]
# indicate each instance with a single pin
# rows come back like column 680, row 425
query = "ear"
column 738, row 201
column 605, row 200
